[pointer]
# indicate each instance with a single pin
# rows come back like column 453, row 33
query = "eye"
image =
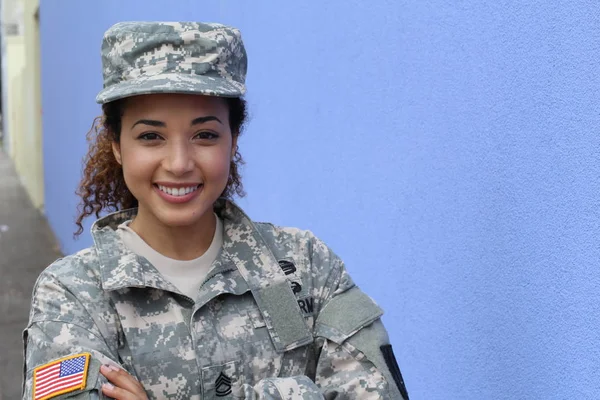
column 149, row 136
column 206, row 135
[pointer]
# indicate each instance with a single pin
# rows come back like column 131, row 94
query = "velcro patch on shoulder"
column 61, row 376
column 346, row 314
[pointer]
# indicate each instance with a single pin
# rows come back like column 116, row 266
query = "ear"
column 117, row 152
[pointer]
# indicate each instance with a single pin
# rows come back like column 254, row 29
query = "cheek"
column 216, row 163
column 136, row 165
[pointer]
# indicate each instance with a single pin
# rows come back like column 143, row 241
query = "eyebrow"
column 161, row 124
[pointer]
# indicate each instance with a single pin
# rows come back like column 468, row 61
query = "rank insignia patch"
column 60, row 376
column 223, row 385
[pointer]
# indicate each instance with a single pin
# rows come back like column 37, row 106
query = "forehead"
column 174, row 105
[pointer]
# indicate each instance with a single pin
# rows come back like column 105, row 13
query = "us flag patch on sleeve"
column 60, row 376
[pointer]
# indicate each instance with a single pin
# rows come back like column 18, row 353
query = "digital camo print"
column 172, row 57
column 109, row 302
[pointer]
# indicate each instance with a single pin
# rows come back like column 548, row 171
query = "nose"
column 179, row 160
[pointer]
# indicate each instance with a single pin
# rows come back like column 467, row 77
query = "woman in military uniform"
column 182, row 295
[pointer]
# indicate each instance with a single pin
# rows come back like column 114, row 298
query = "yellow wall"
column 23, row 108
column 32, row 162
column 14, row 64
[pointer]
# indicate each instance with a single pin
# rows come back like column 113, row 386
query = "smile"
column 182, row 191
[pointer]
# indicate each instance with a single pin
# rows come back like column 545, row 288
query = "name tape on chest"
column 307, row 305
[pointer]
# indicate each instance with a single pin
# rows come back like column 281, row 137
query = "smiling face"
column 176, row 152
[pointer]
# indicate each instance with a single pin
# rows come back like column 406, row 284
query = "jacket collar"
column 119, row 266
column 243, row 248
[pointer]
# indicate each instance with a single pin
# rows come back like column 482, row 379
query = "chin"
column 182, row 216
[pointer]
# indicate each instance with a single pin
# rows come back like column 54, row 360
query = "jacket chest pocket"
column 160, row 348
column 290, row 363
column 243, row 336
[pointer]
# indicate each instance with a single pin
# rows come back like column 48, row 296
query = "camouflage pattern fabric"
column 114, row 304
column 172, row 57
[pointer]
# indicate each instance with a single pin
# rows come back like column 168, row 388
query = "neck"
column 176, row 242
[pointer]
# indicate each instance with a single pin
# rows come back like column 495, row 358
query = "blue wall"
column 448, row 151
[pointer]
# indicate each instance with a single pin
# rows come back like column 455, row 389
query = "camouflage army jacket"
column 277, row 317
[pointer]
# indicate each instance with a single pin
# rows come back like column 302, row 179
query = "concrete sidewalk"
column 27, row 246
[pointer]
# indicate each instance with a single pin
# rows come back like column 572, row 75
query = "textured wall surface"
column 448, row 151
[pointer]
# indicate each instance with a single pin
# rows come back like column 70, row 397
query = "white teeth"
column 177, row 192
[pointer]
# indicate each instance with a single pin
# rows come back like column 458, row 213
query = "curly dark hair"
column 103, row 188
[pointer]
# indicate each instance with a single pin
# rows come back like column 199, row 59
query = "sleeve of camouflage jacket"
column 60, row 326
column 355, row 361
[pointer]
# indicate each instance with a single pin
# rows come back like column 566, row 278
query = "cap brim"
column 171, row 83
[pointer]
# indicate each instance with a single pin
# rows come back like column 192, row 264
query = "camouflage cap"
column 172, row 57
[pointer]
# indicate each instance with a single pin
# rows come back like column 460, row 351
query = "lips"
column 180, row 191
column 178, row 194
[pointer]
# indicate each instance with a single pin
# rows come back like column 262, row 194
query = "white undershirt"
column 187, row 276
